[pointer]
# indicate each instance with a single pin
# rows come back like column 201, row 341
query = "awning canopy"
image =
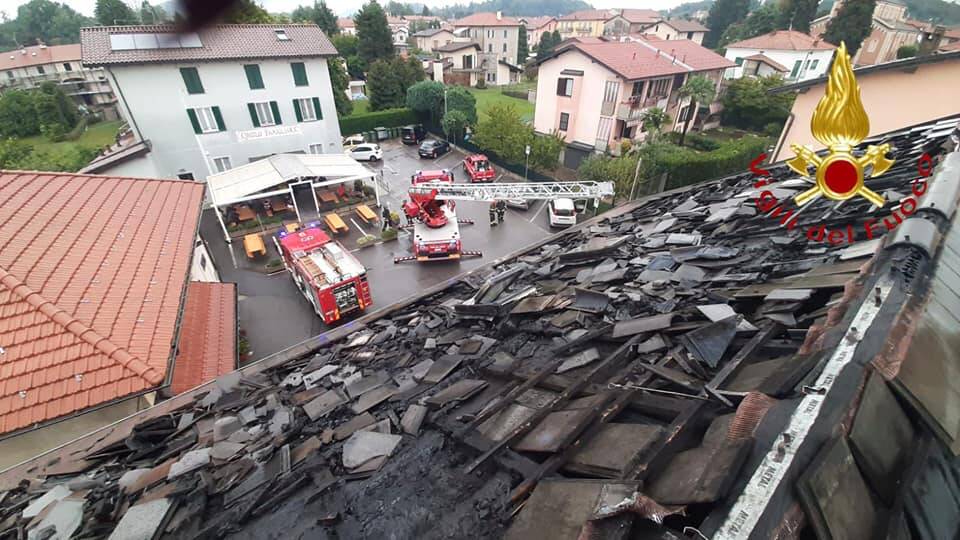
column 243, row 182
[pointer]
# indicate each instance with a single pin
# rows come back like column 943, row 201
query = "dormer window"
column 282, row 34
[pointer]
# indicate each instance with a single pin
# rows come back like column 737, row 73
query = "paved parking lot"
column 275, row 315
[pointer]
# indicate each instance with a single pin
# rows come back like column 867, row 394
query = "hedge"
column 515, row 168
column 389, row 118
column 685, row 167
column 515, row 94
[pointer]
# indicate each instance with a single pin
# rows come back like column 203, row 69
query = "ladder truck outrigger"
column 436, row 233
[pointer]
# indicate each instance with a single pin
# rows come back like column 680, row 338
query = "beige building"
column 536, row 27
column 883, row 89
column 459, row 63
column 60, row 64
column 498, row 37
column 891, row 29
column 431, row 39
column 584, row 23
column 593, row 92
column 678, row 29
column 630, row 21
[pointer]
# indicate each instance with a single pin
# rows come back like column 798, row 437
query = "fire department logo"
column 840, row 123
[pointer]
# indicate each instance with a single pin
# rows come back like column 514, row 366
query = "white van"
column 562, row 213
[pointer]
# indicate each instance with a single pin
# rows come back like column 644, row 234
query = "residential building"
column 630, row 21
column 399, row 28
column 201, row 103
column 459, row 63
column 593, row 93
column 883, row 89
column 498, row 37
column 678, row 29
column 759, row 65
column 805, row 56
column 100, row 315
column 432, row 38
column 347, row 26
column 890, row 30
column 587, row 22
column 29, row 67
column 536, row 27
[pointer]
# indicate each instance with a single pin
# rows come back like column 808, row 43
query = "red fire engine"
column 436, row 229
column 479, row 168
column 328, row 275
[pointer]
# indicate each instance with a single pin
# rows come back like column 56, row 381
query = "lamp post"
column 526, row 165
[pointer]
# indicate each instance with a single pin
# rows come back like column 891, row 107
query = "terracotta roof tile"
column 642, row 59
column 698, row 57
column 208, row 339
column 219, row 42
column 486, row 18
column 784, row 40
column 683, row 25
column 768, row 61
column 588, row 15
column 72, row 267
column 39, row 55
column 534, row 23
column 641, row 15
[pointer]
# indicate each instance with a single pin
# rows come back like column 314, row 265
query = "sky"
column 342, row 7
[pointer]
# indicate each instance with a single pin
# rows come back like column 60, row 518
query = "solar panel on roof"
column 122, row 42
column 145, row 41
column 168, row 41
column 190, row 40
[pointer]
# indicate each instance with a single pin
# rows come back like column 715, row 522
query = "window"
column 203, row 262
column 504, row 34
column 796, row 68
column 689, row 35
column 489, row 47
column 637, row 88
column 738, row 61
column 222, row 164
column 316, row 148
column 610, row 91
column 264, row 113
column 253, row 76
column 10, row 75
column 206, row 120
column 565, row 86
column 658, row 88
column 281, row 34
column 307, row 109
column 185, row 176
column 504, row 47
column 813, row 65
column 191, row 79
column 67, row 66
column 468, row 61
column 564, row 121
column 40, row 70
column 299, row 74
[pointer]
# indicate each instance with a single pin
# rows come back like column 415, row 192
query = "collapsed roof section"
column 685, row 361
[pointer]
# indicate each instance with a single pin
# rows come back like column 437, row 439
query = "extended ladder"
column 529, row 191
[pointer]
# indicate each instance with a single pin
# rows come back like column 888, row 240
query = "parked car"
column 434, row 148
column 352, row 140
column 366, row 152
column 522, row 204
column 562, row 213
column 412, row 134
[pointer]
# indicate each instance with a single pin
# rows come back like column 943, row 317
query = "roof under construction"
column 682, row 363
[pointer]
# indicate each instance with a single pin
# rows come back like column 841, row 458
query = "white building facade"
column 234, row 94
column 804, row 57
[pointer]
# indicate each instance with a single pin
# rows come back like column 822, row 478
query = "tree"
column 375, row 39
column 545, row 151
column 426, row 97
column 723, row 13
column 851, row 25
column 653, row 120
column 747, row 104
column 114, row 12
column 150, row 14
column 699, row 90
column 346, row 44
column 460, row 99
column 454, row 123
column 389, row 79
column 398, row 9
column 763, row 20
column 425, row 12
column 906, row 51
column 339, row 81
column 797, row 14
column 503, row 133
column 50, row 22
column 522, row 48
column 247, row 12
column 318, row 14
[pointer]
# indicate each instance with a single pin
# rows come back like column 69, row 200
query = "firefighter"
column 493, row 213
column 406, row 216
column 384, row 218
column 501, row 210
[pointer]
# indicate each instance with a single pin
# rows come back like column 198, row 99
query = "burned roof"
column 653, row 369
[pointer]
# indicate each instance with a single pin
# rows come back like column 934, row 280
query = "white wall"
column 157, row 100
column 787, row 59
column 202, row 267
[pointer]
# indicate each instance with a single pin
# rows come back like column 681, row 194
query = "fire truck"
column 479, row 168
column 328, row 275
column 431, row 208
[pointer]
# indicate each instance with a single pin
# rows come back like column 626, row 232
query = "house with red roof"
column 499, row 38
column 804, row 56
column 593, row 92
column 29, row 67
column 537, row 26
column 99, row 313
column 678, row 29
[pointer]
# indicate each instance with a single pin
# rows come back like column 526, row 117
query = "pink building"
column 593, row 92
column 536, row 27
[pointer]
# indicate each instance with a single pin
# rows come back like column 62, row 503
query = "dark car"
column 434, row 148
column 412, row 134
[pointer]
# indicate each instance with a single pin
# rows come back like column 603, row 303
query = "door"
column 304, row 201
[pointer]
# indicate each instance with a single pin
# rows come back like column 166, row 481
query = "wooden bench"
column 366, row 214
column 335, row 223
column 253, row 244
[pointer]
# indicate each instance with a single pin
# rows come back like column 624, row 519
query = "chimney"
column 499, row 15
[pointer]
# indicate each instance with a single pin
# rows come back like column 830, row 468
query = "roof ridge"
column 87, row 175
column 53, row 312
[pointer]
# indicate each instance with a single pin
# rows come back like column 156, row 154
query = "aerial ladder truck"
column 436, row 234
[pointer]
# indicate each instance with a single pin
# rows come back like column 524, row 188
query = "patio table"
column 245, row 213
column 335, row 223
column 329, row 197
column 253, row 244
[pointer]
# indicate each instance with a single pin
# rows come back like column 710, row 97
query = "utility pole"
column 636, row 174
column 526, row 165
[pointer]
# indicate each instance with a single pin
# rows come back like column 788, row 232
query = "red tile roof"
column 92, row 272
column 208, row 335
column 683, row 25
column 534, row 23
column 219, row 42
column 629, row 60
column 346, row 22
column 784, row 40
column 768, row 61
column 486, row 18
column 588, row 15
column 698, row 57
column 38, row 55
column 641, row 15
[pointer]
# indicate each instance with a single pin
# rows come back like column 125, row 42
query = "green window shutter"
column 219, row 119
column 253, row 114
column 194, row 122
column 276, row 113
column 299, row 74
column 296, row 110
column 316, row 107
column 191, row 79
column 254, row 79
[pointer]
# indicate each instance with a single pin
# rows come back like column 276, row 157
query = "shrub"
column 625, row 146
column 365, row 122
column 694, row 140
column 389, row 234
column 53, row 132
column 481, row 84
column 773, row 129
column 366, row 240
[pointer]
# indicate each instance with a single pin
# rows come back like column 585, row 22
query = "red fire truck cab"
column 479, row 168
column 328, row 275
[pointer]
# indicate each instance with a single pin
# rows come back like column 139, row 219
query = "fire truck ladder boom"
column 529, row 191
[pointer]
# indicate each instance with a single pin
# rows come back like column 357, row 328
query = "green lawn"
column 96, row 136
column 361, row 106
column 489, row 97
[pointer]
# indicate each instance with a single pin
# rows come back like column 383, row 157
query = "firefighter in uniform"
column 493, row 213
column 385, row 221
column 501, row 210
